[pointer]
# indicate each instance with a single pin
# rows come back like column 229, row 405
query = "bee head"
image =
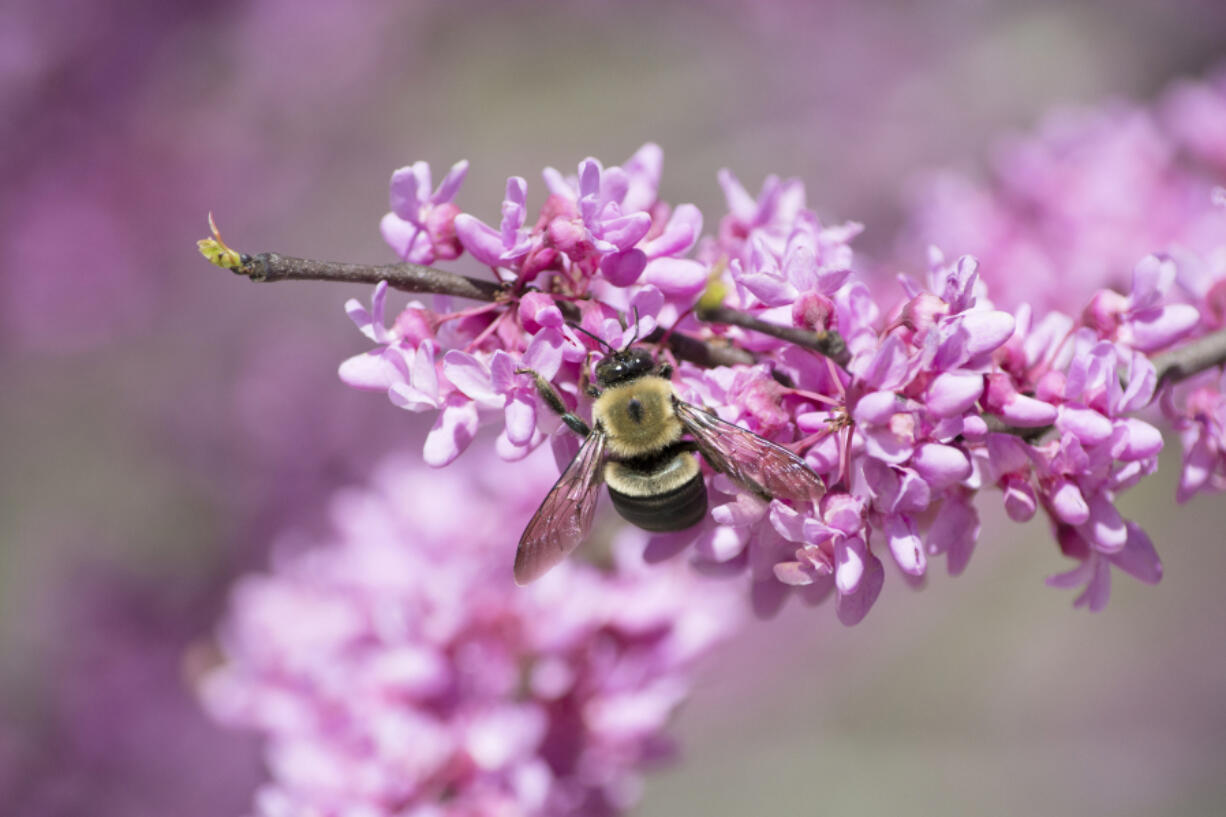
column 627, row 364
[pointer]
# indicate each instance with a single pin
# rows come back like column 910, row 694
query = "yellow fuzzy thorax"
column 657, row 425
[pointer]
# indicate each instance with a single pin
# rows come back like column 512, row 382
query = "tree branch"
column 828, row 344
column 1172, row 366
column 1193, row 358
column 271, row 266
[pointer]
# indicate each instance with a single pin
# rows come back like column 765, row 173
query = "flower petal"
column 452, row 432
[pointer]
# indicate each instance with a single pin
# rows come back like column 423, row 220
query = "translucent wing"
column 757, row 464
column 565, row 516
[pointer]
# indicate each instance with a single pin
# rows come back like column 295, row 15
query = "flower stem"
column 828, row 344
column 271, row 266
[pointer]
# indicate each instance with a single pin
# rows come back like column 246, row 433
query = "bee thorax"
column 638, row 417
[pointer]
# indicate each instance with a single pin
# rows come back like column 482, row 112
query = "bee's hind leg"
column 551, row 397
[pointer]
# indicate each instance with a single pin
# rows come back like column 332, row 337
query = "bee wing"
column 565, row 516
column 757, row 464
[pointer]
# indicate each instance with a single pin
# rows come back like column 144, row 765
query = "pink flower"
column 905, row 430
column 1201, row 424
column 397, row 668
column 421, row 225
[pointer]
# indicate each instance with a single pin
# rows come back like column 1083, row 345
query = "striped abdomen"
column 663, row 491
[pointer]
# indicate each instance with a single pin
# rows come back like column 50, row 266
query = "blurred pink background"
column 163, row 421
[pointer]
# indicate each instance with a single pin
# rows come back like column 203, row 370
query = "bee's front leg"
column 585, row 378
column 550, row 395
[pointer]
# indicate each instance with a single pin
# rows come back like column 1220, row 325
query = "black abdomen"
column 675, row 509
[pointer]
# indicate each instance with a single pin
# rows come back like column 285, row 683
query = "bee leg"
column 585, row 379
column 665, row 370
column 551, row 397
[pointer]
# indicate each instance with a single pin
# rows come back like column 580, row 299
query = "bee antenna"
column 594, row 337
column 635, row 339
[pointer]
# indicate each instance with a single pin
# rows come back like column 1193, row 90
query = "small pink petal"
column 1144, row 441
column 1068, row 503
column 721, row 543
column 851, row 608
column 876, row 408
column 520, row 420
column 1155, row 328
column 1106, row 528
column 409, row 189
column 482, row 241
column 625, row 231
column 1027, row 412
column 375, row 370
column 472, row 377
column 1087, row 425
column 888, row 368
column 941, row 465
column 544, row 353
column 1098, row 591
column 450, row 185
column 680, row 277
column 406, row 239
column 623, row 268
column 953, row 532
column 1138, row 558
column 741, row 205
column 906, row 545
column 679, row 235
column 952, row 393
column 849, row 553
column 794, row 573
column 769, row 289
column 1020, row 501
column 986, row 330
column 540, row 308
column 453, row 431
column 1151, row 277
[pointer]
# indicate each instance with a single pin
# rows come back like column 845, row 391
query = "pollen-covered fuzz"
column 947, row 389
column 396, row 669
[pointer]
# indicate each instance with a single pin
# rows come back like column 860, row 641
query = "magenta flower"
column 940, row 394
column 497, row 385
column 499, row 248
column 398, row 670
column 1143, row 319
column 1201, row 424
column 1072, row 208
column 421, row 225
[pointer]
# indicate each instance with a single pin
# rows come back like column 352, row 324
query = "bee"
column 637, row 445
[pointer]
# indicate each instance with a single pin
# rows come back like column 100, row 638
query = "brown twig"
column 1192, row 358
column 1029, row 434
column 828, row 344
column 271, row 266
column 1172, row 366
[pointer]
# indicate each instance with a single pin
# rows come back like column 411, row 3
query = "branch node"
column 828, row 343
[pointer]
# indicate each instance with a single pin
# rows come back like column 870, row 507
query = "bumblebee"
column 642, row 445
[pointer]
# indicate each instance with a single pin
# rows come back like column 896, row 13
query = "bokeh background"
column 163, row 423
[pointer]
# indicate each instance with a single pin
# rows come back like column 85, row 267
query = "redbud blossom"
column 975, row 373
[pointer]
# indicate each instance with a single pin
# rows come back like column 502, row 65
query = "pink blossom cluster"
column 1070, row 208
column 1065, row 213
column 396, row 669
column 946, row 392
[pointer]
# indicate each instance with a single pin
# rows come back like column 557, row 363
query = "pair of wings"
column 565, row 517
